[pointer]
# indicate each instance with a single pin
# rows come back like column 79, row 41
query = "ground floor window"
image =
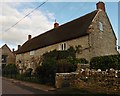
column 63, row 46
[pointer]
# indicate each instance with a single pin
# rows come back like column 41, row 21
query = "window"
column 63, row 46
column 4, row 58
column 101, row 26
column 32, row 52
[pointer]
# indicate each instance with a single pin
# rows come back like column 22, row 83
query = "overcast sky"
column 43, row 18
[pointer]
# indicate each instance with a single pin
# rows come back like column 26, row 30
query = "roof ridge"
column 65, row 23
column 68, row 31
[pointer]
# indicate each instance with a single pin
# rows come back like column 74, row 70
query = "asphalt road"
column 9, row 87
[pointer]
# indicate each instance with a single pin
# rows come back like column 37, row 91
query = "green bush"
column 22, row 77
column 82, row 61
column 46, row 72
column 64, row 66
column 28, row 72
column 57, row 55
column 3, row 66
column 105, row 62
column 57, row 61
column 10, row 70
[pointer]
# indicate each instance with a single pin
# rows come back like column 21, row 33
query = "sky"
column 44, row 17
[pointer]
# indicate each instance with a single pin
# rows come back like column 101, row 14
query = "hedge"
column 105, row 62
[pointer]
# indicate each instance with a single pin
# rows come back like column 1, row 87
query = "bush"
column 64, row 66
column 57, row 55
column 3, row 66
column 105, row 62
column 82, row 61
column 28, row 72
column 46, row 72
column 57, row 61
column 10, row 70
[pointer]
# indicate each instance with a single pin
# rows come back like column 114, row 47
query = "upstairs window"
column 101, row 26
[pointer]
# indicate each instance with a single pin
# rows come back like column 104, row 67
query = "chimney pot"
column 29, row 37
column 100, row 5
column 56, row 24
column 19, row 46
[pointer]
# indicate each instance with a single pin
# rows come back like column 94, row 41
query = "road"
column 8, row 87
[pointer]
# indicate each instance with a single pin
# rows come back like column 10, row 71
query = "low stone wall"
column 101, row 81
column 64, row 79
column 83, row 77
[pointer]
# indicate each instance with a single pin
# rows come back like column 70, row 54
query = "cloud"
column 35, row 24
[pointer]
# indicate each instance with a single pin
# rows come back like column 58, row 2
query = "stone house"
column 7, row 56
column 93, row 32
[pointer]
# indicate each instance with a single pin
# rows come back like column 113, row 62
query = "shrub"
column 3, row 66
column 105, row 62
column 57, row 55
column 64, row 66
column 46, row 72
column 82, row 61
column 57, row 61
column 28, row 72
column 10, row 70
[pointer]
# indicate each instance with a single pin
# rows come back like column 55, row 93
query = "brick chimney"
column 19, row 46
column 56, row 24
column 29, row 37
column 100, row 5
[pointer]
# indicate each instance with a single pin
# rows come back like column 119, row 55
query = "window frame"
column 101, row 26
column 32, row 53
column 63, row 46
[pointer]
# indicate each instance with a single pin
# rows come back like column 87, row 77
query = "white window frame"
column 101, row 26
column 32, row 53
column 63, row 46
column 59, row 47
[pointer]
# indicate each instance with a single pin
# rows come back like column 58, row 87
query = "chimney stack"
column 13, row 49
column 100, row 5
column 56, row 24
column 19, row 46
column 29, row 37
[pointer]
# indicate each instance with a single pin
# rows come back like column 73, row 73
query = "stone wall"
column 102, row 42
column 101, row 81
column 28, row 60
column 84, row 77
column 64, row 79
column 10, row 56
